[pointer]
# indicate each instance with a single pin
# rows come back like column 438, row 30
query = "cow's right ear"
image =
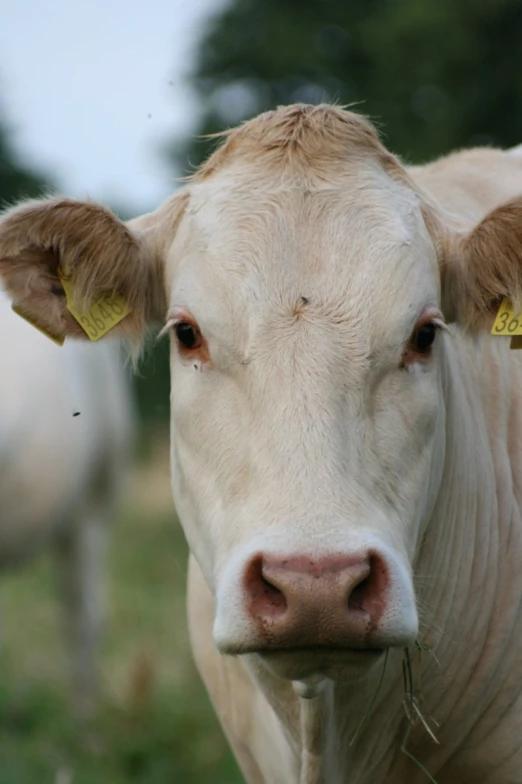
column 43, row 241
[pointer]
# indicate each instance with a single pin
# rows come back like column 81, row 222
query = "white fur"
column 291, row 428
column 397, row 626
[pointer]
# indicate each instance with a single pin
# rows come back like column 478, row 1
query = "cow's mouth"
column 322, row 650
column 335, row 663
column 275, row 649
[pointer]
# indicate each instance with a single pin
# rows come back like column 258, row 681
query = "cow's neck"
column 468, row 584
column 468, row 577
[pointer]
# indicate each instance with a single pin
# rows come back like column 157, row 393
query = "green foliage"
column 38, row 743
column 153, row 728
column 17, row 180
column 435, row 75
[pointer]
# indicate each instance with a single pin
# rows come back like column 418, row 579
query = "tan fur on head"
column 303, row 137
column 484, row 266
column 92, row 246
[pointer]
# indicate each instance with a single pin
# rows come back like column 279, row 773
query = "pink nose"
column 303, row 602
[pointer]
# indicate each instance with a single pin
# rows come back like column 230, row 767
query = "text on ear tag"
column 103, row 314
column 508, row 323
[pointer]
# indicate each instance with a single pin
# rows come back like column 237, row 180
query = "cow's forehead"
column 358, row 234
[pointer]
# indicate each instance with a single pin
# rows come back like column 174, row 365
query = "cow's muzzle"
column 330, row 610
column 301, row 602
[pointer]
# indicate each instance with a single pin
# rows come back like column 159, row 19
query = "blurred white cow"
column 65, row 439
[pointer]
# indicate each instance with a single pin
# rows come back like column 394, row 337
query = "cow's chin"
column 310, row 666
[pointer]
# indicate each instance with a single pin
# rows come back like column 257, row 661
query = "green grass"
column 155, row 724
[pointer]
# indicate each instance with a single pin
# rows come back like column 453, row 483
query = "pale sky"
column 93, row 88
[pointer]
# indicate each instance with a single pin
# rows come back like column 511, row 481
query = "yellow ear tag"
column 44, row 330
column 508, row 323
column 104, row 313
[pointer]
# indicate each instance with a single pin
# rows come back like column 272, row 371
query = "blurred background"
column 107, row 99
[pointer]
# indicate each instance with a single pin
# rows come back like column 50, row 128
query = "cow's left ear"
column 43, row 242
column 481, row 267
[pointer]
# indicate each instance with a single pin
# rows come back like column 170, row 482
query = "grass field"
column 156, row 725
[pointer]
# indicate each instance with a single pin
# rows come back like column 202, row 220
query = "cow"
column 346, row 437
column 66, row 430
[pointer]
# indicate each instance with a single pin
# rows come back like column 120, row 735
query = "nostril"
column 368, row 595
column 271, row 592
column 265, row 598
column 358, row 594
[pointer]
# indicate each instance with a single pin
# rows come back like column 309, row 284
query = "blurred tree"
column 434, row 75
column 17, row 180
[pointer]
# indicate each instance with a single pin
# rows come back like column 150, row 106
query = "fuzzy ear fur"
column 482, row 267
column 90, row 244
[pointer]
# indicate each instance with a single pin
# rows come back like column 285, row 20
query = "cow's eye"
column 188, row 335
column 423, row 337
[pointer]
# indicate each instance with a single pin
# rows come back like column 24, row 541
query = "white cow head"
column 303, row 281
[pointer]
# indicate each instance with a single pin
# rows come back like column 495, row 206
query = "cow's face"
column 307, row 414
column 301, row 289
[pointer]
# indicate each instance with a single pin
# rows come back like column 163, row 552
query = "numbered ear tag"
column 508, row 323
column 104, row 313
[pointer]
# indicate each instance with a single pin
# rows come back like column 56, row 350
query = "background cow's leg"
column 82, row 555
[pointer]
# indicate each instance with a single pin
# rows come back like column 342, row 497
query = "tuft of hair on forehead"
column 302, row 137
